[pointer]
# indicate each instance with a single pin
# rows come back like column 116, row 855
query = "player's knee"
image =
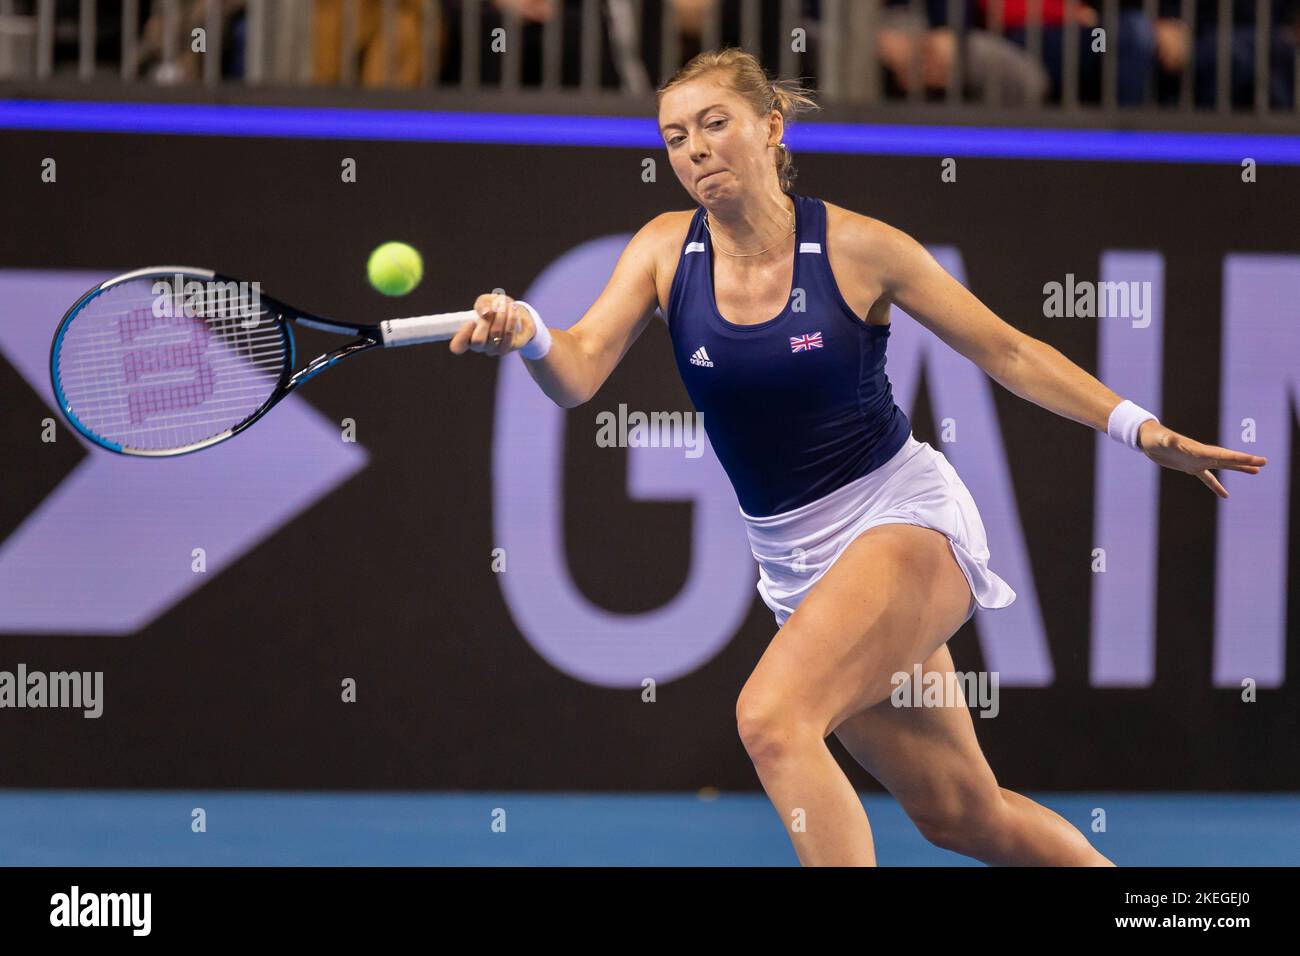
column 758, row 722
column 768, row 726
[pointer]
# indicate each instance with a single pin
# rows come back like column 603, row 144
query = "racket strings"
column 155, row 379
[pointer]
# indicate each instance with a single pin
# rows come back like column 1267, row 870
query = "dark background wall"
column 237, row 685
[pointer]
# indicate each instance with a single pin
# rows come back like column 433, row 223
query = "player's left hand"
column 1169, row 449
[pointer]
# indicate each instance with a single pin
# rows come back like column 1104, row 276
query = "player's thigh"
column 928, row 757
column 893, row 596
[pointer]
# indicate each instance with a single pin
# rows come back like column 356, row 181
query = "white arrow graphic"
column 109, row 550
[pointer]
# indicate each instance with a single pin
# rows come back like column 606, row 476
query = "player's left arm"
column 1025, row 366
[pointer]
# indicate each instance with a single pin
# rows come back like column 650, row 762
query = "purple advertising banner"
column 498, row 580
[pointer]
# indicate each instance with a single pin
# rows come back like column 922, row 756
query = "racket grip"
column 424, row 328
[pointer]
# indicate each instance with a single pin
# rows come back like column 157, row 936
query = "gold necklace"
column 746, row 255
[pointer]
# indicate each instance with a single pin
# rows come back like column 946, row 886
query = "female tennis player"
column 870, row 550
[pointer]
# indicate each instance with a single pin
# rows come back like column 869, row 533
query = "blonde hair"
column 742, row 73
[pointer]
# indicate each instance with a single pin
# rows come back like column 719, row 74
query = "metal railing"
column 289, row 43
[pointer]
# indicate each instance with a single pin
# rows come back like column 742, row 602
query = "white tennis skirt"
column 917, row 486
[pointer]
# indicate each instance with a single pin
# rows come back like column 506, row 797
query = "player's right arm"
column 582, row 356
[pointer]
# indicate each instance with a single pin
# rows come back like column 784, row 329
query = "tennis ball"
column 395, row 268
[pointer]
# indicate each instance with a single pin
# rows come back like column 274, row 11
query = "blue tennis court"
column 56, row 828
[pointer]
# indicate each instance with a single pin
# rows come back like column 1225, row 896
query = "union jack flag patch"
column 802, row 343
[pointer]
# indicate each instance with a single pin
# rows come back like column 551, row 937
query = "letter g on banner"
column 572, row 634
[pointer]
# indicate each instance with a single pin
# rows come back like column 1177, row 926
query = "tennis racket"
column 169, row 360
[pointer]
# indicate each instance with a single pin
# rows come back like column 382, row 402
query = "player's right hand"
column 502, row 326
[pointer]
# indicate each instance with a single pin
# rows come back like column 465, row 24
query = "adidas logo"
column 701, row 357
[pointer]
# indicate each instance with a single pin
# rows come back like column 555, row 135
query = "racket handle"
column 424, row 328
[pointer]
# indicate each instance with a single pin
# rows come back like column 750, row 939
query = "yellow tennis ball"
column 395, row 268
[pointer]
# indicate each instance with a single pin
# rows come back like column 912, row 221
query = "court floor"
column 109, row 828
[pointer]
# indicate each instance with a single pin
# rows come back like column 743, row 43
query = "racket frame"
column 369, row 337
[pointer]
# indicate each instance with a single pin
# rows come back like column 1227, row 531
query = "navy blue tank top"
column 796, row 406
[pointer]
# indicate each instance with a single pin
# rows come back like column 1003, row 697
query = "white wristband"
column 540, row 343
column 1125, row 420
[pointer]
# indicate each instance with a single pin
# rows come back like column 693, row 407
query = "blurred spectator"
column 692, row 17
column 149, row 29
column 370, row 63
column 533, row 16
column 995, row 68
column 1011, row 79
column 1133, row 49
column 1176, row 40
column 1152, row 59
column 622, row 62
column 187, row 66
